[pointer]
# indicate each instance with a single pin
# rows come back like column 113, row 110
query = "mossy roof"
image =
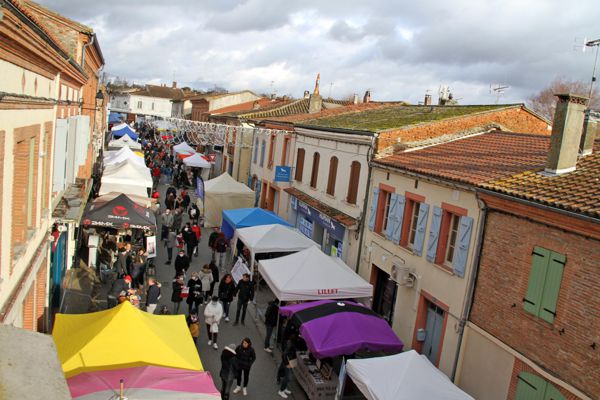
column 398, row 116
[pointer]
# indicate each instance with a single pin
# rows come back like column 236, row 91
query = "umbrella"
column 148, row 382
column 332, row 328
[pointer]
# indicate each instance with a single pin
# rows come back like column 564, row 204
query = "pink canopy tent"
column 147, row 382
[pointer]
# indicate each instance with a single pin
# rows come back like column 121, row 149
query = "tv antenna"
column 498, row 90
column 330, row 87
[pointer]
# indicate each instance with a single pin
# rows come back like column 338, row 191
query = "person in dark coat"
column 182, row 263
column 270, row 322
column 170, row 190
column 226, row 293
column 190, row 239
column 211, row 241
column 215, row 273
column 228, row 370
column 195, row 297
column 287, row 363
column 194, row 213
column 176, row 295
column 123, row 263
column 153, row 295
column 220, row 245
column 177, row 220
column 245, row 358
column 120, row 285
column 245, row 293
column 185, row 199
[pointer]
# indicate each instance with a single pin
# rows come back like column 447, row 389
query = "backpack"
column 221, row 245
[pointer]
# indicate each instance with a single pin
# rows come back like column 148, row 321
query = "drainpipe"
column 472, row 283
column 85, row 46
column 361, row 223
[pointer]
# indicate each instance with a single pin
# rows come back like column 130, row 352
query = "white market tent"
column 197, row 161
column 126, row 177
column 120, row 126
column 116, row 157
column 183, row 147
column 311, row 274
column 274, row 238
column 403, row 376
column 124, row 141
column 224, row 193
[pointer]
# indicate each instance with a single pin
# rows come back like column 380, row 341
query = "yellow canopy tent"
column 123, row 337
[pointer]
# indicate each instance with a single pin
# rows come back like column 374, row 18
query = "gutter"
column 85, row 46
column 361, row 222
column 471, row 286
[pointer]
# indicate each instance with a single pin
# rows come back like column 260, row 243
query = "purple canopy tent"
column 333, row 328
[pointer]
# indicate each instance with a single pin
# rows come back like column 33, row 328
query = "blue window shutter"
column 461, row 252
column 434, row 233
column 421, row 226
column 250, row 181
column 255, row 150
column 262, row 153
column 391, row 217
column 399, row 217
column 551, row 291
column 373, row 214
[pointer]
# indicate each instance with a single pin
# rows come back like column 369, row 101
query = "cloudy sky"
column 398, row 49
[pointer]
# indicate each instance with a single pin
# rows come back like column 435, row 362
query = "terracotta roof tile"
column 475, row 159
column 164, row 92
column 296, row 107
column 339, row 216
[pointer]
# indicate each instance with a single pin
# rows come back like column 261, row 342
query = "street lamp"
column 99, row 99
column 596, row 44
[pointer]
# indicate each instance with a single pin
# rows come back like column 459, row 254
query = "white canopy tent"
column 124, row 141
column 311, row 274
column 183, row 147
column 224, row 193
column 116, row 157
column 271, row 239
column 404, row 376
column 126, row 177
column 120, row 126
column 197, row 161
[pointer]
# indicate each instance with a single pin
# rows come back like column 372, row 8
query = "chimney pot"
column 355, row 99
column 590, row 132
column 427, row 101
column 174, row 85
column 367, row 97
column 566, row 133
column 306, row 94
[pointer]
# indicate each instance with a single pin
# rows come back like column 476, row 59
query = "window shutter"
column 373, row 214
column 552, row 393
column 461, row 252
column 421, row 226
column 391, row 217
column 530, row 387
column 554, row 275
column 434, row 233
column 250, row 181
column 399, row 217
column 537, row 277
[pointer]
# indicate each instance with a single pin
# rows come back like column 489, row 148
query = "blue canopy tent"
column 113, row 118
column 246, row 217
column 125, row 130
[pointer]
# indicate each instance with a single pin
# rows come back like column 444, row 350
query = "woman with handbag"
column 212, row 316
column 178, row 293
column 288, row 361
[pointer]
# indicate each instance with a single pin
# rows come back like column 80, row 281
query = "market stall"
column 197, row 160
column 124, row 141
column 110, row 339
column 126, row 177
column 335, row 329
column 183, row 147
column 311, row 274
column 224, row 193
column 117, row 156
column 234, row 219
column 123, row 129
column 119, row 213
column 404, row 376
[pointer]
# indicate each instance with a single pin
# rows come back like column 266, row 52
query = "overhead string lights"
column 177, row 130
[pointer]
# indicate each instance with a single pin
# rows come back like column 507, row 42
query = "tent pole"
column 121, row 389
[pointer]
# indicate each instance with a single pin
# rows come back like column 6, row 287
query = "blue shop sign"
column 335, row 228
column 283, row 174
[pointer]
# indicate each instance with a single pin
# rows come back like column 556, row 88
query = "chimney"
column 315, row 103
column 174, row 86
column 566, row 133
column 590, row 132
column 316, row 91
column 355, row 99
column 427, row 101
column 306, row 94
column 367, row 97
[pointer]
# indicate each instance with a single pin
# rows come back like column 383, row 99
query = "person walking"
column 182, row 263
column 245, row 357
column 245, row 293
column 194, row 326
column 194, row 213
column 198, row 232
column 170, row 243
column 176, row 298
column 228, row 370
column 226, row 293
column 288, row 361
column 206, row 277
column 195, row 296
column 166, row 219
column 152, row 295
column 177, row 219
column 215, row 273
column 221, row 245
column 270, row 322
column 190, row 239
column 213, row 312
column 211, row 241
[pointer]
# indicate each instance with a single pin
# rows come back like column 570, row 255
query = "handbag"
column 185, row 292
column 293, row 363
column 214, row 328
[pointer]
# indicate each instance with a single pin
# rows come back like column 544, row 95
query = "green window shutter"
column 554, row 275
column 530, row 387
column 552, row 393
column 535, row 288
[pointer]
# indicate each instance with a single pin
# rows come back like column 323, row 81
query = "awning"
column 119, row 213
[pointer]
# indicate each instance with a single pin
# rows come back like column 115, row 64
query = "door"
column 385, row 295
column 433, row 332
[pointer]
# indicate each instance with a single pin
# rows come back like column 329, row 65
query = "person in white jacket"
column 213, row 312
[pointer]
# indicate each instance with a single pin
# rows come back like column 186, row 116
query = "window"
column 30, row 185
column 262, row 153
column 412, row 229
column 544, row 283
column 299, row 165
column 533, row 387
column 380, row 209
column 285, row 154
column 333, row 165
column 271, row 150
column 353, row 182
column 255, row 150
column 139, row 105
column 314, row 176
column 451, row 244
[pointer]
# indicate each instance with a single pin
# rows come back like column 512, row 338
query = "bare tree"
column 544, row 102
